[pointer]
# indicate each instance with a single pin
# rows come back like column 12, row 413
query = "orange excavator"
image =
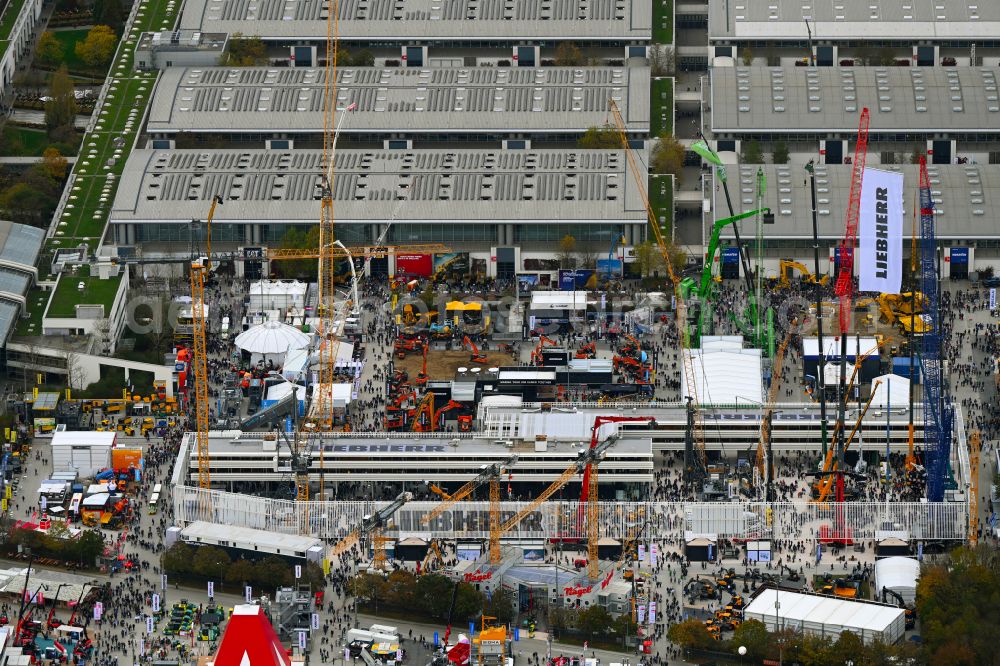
column 477, row 356
column 424, row 417
column 632, row 348
column 395, row 414
column 536, row 354
column 421, row 379
column 464, row 420
column 589, row 350
column 427, row 419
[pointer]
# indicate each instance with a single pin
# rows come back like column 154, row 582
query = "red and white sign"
column 250, row 640
column 478, row 576
column 577, row 590
column 416, row 265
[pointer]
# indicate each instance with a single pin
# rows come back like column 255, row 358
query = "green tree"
column 648, row 257
column 177, row 559
column 501, row 606
column 690, row 634
column 364, row 58
column 780, row 153
column 568, row 55
column 244, row 51
column 21, row 202
column 600, row 137
column 60, row 109
column 747, row 56
column 297, row 238
column 864, row 55
column 210, row 562
column 364, row 587
column 400, row 589
column 99, row 46
column 594, row 622
column 468, row 603
column 109, row 13
column 89, row 547
column 432, row 593
column 567, row 252
column 847, row 646
column 751, row 153
column 886, row 56
column 272, row 572
column 49, row 50
column 240, row 572
column 53, row 164
column 753, row 635
column 957, row 606
column 668, row 157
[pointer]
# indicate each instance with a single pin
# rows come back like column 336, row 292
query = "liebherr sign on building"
column 880, row 232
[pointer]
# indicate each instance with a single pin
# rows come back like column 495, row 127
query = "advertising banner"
column 415, row 265
column 730, row 267
column 615, row 264
column 581, row 278
column 880, row 232
column 451, row 264
column 124, row 459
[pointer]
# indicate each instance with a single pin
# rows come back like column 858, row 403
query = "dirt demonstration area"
column 444, row 364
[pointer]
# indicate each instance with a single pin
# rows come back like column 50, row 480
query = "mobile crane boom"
column 369, row 524
column 488, row 474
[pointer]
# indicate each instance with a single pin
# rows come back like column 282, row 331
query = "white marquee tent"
column 899, row 574
column 827, row 616
column 894, row 391
column 726, row 373
column 271, row 340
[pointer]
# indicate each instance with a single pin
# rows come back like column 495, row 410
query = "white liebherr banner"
column 880, row 232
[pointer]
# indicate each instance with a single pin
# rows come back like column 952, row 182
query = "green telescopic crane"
column 703, row 291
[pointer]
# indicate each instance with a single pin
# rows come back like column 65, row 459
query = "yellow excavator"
column 785, row 268
column 905, row 311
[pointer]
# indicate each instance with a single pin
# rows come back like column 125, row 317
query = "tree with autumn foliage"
column 958, row 603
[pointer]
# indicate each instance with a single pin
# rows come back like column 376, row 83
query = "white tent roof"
column 894, row 391
column 899, row 574
column 728, row 375
column 279, row 391
column 296, row 361
column 831, row 346
column 83, row 438
column 278, row 287
column 833, row 613
column 271, row 337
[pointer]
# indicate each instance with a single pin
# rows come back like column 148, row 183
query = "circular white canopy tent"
column 271, row 340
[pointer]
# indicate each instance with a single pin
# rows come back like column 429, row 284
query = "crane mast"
column 697, row 429
column 200, row 362
column 844, row 289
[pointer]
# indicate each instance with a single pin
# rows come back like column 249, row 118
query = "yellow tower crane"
column 974, row 450
column 681, row 315
column 200, row 368
column 764, row 464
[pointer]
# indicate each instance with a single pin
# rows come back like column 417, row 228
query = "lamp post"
column 777, row 606
column 742, row 650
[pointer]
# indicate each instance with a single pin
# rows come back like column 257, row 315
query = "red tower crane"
column 844, row 288
column 588, row 491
